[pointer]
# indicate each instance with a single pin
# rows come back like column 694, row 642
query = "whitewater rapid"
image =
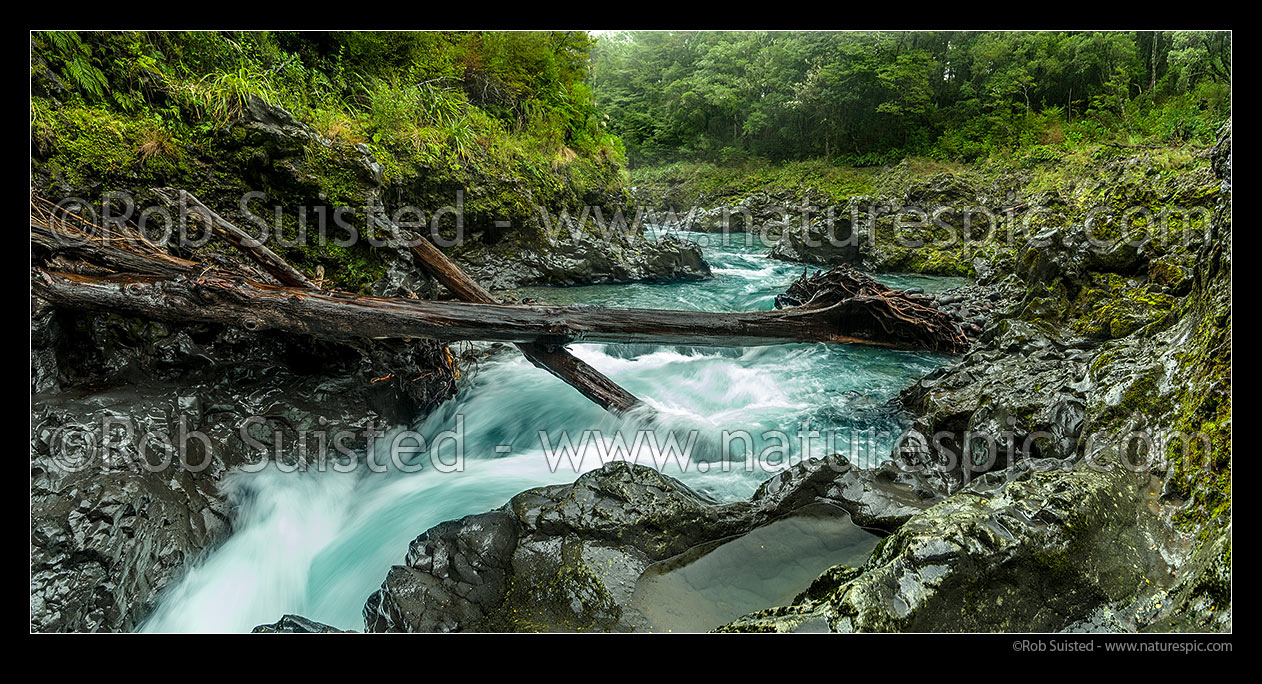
column 318, row 543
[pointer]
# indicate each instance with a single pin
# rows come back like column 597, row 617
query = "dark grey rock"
column 296, row 624
column 111, row 528
column 882, row 499
column 568, row 557
column 583, row 258
column 1033, row 554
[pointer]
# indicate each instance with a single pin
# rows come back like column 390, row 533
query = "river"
column 318, row 543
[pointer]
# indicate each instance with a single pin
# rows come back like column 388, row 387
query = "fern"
column 76, row 63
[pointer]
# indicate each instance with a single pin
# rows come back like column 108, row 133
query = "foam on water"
column 318, row 543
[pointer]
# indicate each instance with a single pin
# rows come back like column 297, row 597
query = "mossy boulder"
column 1032, row 553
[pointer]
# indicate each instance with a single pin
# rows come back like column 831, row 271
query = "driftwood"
column 275, row 266
column 865, row 308
column 62, row 234
column 587, row 380
column 134, row 277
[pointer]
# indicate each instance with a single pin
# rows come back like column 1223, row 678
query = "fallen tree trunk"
column 556, row 360
column 63, row 235
column 578, row 374
column 841, row 305
column 347, row 317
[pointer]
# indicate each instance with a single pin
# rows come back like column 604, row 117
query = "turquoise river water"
column 318, row 543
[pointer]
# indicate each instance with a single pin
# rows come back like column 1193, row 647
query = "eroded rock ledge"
column 585, row 259
column 1034, row 553
column 111, row 529
column 567, row 557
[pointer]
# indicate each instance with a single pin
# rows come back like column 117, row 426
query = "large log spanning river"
column 318, row 543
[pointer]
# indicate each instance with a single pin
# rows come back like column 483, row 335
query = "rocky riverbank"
column 115, row 518
column 1071, row 340
column 1099, row 345
column 581, row 258
column 568, row 557
column 1061, row 522
column 946, row 219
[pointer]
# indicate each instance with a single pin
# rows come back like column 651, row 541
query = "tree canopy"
column 864, row 97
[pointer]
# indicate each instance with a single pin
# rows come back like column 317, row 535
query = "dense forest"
column 872, row 97
column 526, row 100
column 565, row 119
column 506, row 118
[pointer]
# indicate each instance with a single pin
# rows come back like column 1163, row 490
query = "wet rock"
column 940, row 189
column 107, row 538
column 882, row 499
column 1199, row 600
column 714, row 583
column 104, row 543
column 116, row 518
column 1055, row 255
column 1035, row 553
column 1019, row 393
column 552, row 558
column 821, row 241
column 282, row 130
column 1125, row 257
column 296, row 624
column 568, row 557
column 1172, row 277
column 404, row 279
column 583, row 258
column 289, row 155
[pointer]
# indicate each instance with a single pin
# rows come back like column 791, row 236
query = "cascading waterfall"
column 318, row 543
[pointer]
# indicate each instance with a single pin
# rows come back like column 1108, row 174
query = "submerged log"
column 346, row 317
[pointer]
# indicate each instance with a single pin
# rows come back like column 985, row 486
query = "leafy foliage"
column 528, row 104
column 433, row 98
column 873, row 97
